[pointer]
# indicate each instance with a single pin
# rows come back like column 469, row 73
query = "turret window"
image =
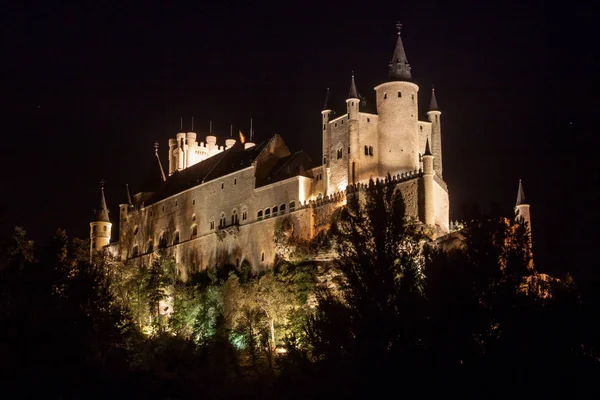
column 267, row 213
column 368, row 119
column 399, row 94
column 104, row 228
column 211, row 225
column 275, row 210
column 194, row 231
column 282, row 209
column 385, row 96
column 244, row 215
column 292, row 206
column 324, row 126
column 222, row 221
column 339, row 154
column 370, row 150
column 259, row 215
column 234, row 218
column 366, row 150
column 193, row 202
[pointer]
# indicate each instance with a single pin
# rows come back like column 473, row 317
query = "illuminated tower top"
column 102, row 212
column 399, row 66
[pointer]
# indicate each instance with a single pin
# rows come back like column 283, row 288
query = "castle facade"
column 222, row 204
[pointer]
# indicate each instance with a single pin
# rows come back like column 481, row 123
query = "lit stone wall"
column 338, row 168
column 197, row 207
column 442, row 207
column 398, row 119
column 367, row 136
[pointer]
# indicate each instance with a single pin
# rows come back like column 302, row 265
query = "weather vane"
column 399, row 27
column 102, row 184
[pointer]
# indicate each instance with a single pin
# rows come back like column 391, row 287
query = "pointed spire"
column 102, row 213
column 433, row 105
column 427, row 149
column 520, row 195
column 353, row 93
column 128, row 195
column 326, row 100
column 399, row 66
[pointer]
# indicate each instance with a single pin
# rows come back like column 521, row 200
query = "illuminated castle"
column 222, row 204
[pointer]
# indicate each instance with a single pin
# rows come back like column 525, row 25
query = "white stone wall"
column 398, row 131
column 367, row 136
column 424, row 134
column 442, row 207
column 338, row 168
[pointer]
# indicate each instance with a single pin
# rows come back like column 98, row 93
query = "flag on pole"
column 242, row 138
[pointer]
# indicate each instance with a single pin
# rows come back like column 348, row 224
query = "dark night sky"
column 88, row 88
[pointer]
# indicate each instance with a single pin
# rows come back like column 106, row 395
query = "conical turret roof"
column 427, row 149
column 353, row 93
column 433, row 105
column 399, row 66
column 520, row 195
column 102, row 212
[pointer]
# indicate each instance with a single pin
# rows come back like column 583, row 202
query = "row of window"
column 274, row 211
column 340, row 153
column 94, row 228
column 399, row 95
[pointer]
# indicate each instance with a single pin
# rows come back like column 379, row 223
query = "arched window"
column 385, row 96
column 267, row 212
column 275, row 209
column 339, row 153
column 222, row 221
column 282, row 209
column 193, row 217
column 194, row 231
column 162, row 240
column 234, row 218
column 262, row 256
column 176, row 239
column 211, row 224
column 244, row 214
column 366, row 150
column 292, row 205
column 399, row 94
column 259, row 215
column 370, row 150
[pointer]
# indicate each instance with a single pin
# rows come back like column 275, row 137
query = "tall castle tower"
column 398, row 146
column 434, row 115
column 100, row 227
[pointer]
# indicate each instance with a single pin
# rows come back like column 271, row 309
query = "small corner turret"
column 353, row 100
column 522, row 208
column 100, row 227
column 434, row 116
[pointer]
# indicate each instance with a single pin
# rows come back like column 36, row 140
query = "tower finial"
column 399, row 66
column 128, row 194
column 102, row 184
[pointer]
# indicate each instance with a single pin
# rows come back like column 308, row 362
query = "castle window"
column 193, row 217
column 342, row 121
column 339, row 154
column 134, row 251
column 162, row 241
column 244, row 215
column 234, row 218
column 368, row 119
column 136, row 230
column 275, row 210
column 335, row 125
column 150, row 247
column 194, row 231
column 366, row 150
column 104, row 228
column 348, row 149
column 370, row 150
column 282, row 209
column 176, row 240
column 385, row 96
column 222, row 185
column 421, row 127
column 412, row 96
column 399, row 94
column 235, row 181
column 267, row 213
column 212, row 224
column 163, row 208
column 259, row 215
column 262, row 256
column 292, row 205
column 176, row 202
column 324, row 160
column 222, row 221
column 193, row 202
column 324, row 126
